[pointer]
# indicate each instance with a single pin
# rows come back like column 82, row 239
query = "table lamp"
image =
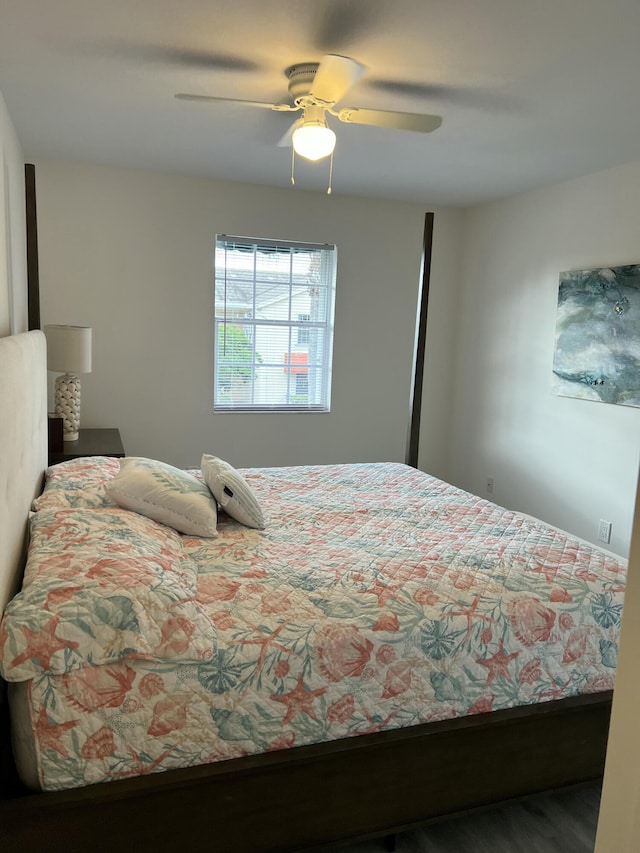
column 69, row 353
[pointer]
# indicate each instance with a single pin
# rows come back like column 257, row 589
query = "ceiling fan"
column 316, row 88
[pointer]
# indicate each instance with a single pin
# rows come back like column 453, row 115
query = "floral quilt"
column 102, row 586
column 376, row 597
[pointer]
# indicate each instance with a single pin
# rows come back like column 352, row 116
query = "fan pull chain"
column 293, row 163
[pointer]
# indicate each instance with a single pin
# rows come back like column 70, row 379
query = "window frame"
column 250, row 325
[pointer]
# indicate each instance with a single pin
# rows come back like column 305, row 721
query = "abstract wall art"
column 597, row 345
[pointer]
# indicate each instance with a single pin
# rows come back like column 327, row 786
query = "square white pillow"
column 232, row 491
column 165, row 494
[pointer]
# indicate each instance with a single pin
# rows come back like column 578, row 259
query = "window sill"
column 279, row 410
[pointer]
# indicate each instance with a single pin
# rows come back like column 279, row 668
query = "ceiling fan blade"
column 387, row 118
column 412, row 89
column 286, row 141
column 182, row 96
column 185, row 57
column 335, row 75
column 191, row 58
column 466, row 96
column 342, row 23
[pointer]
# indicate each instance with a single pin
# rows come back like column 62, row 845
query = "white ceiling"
column 530, row 92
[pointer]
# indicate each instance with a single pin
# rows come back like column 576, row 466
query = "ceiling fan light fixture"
column 313, row 140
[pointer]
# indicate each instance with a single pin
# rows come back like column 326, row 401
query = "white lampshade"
column 68, row 349
column 313, row 140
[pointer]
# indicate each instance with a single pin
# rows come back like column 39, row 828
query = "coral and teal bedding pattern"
column 376, row 597
column 102, row 586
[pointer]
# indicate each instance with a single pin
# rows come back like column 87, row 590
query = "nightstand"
column 91, row 442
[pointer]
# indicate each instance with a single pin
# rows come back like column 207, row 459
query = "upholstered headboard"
column 23, row 447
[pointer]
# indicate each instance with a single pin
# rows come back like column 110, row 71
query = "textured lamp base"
column 67, row 401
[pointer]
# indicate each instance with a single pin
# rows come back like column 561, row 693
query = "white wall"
column 13, row 262
column 570, row 462
column 130, row 254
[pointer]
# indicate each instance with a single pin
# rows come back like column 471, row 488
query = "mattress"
column 376, row 597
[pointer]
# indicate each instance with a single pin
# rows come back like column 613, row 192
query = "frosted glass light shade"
column 313, row 140
column 68, row 349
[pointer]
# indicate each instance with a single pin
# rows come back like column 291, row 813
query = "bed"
column 369, row 690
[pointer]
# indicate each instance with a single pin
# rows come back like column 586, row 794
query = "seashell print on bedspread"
column 102, row 585
column 377, row 597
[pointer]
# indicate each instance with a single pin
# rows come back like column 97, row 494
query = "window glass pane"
column 271, row 386
column 273, row 324
column 273, row 301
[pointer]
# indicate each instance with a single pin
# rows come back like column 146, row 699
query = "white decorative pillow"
column 232, row 491
column 165, row 494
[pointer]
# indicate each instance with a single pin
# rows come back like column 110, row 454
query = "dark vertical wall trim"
column 33, row 275
column 413, row 437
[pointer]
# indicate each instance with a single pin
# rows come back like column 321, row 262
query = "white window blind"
column 274, row 304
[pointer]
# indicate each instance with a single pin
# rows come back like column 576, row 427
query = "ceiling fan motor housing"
column 301, row 79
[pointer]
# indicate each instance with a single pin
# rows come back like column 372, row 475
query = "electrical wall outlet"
column 604, row 531
column 489, row 485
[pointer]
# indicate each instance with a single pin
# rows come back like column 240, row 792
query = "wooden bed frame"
column 371, row 785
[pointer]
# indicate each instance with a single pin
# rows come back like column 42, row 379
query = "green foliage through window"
column 235, row 356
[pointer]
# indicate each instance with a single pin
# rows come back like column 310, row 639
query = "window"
column 274, row 305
